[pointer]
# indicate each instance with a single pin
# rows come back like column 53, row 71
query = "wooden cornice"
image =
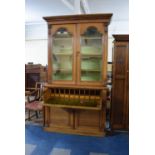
column 77, row 18
column 121, row 37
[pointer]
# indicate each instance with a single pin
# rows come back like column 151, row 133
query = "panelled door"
column 61, row 54
column 91, row 53
column 120, row 86
column 126, row 126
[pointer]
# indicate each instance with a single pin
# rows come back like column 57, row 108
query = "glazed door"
column 90, row 53
column 62, row 54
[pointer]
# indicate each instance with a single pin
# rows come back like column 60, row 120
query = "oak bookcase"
column 75, row 96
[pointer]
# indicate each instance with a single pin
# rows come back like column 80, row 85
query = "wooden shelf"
column 88, row 70
column 62, row 38
column 75, row 86
column 63, row 54
column 62, row 70
column 97, row 38
column 92, row 54
column 70, row 54
column 72, row 106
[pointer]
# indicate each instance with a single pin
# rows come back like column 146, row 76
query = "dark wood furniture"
column 34, row 73
column 75, row 96
column 120, row 83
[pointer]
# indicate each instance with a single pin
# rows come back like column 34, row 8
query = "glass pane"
column 62, row 52
column 91, row 55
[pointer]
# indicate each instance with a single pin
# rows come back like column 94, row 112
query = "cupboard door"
column 61, row 54
column 127, row 89
column 61, row 118
column 90, row 52
column 83, row 121
column 119, row 113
